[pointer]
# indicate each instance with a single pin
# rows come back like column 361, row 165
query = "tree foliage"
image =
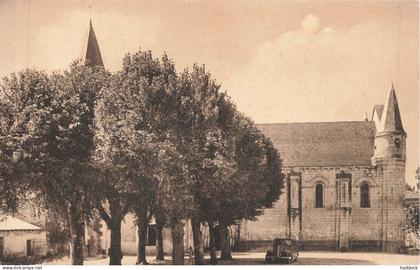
column 52, row 133
column 182, row 144
column 411, row 224
column 144, row 139
column 12, row 185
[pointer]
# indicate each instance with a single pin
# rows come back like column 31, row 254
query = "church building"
column 344, row 186
column 345, row 183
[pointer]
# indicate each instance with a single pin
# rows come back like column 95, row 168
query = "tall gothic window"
column 364, row 195
column 319, row 195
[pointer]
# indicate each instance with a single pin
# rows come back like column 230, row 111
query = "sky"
column 280, row 61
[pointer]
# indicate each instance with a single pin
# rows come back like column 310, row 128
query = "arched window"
column 364, row 195
column 319, row 195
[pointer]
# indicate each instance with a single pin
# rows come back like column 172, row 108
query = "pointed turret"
column 391, row 118
column 377, row 114
column 93, row 54
column 389, row 161
column 390, row 136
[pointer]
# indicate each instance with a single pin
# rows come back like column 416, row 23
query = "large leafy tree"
column 135, row 123
column 53, row 130
column 176, row 199
column 158, row 85
column 114, row 160
column 125, row 154
column 22, row 96
column 256, row 184
column 235, row 170
column 411, row 222
column 253, row 182
column 180, row 110
column 227, row 162
column 12, row 184
column 411, row 210
column 146, row 80
column 205, row 115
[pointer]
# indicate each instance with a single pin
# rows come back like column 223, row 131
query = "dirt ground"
column 305, row 258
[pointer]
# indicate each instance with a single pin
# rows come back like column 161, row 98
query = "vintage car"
column 284, row 250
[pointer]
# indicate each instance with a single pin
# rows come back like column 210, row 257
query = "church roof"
column 93, row 54
column 9, row 223
column 391, row 118
column 323, row 143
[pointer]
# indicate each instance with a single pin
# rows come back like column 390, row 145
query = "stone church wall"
column 318, row 224
column 320, row 228
column 272, row 224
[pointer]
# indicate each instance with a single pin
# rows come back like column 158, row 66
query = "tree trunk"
column 159, row 240
column 113, row 221
column 77, row 234
column 177, row 243
column 238, row 235
column 142, row 223
column 212, row 244
column 115, row 254
column 225, row 243
column 198, row 242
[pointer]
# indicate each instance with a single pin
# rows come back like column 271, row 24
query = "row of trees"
column 145, row 139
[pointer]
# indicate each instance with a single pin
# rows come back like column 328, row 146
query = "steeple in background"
column 93, row 53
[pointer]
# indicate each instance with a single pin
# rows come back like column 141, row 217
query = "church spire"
column 93, row 54
column 391, row 118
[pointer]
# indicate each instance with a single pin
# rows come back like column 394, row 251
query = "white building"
column 19, row 238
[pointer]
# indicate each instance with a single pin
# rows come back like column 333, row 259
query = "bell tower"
column 389, row 159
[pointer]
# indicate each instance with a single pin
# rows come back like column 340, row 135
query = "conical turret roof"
column 391, row 118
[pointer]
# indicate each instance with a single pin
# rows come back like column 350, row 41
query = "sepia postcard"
column 227, row 132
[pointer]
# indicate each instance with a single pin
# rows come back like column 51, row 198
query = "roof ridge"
column 15, row 223
column 25, row 219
